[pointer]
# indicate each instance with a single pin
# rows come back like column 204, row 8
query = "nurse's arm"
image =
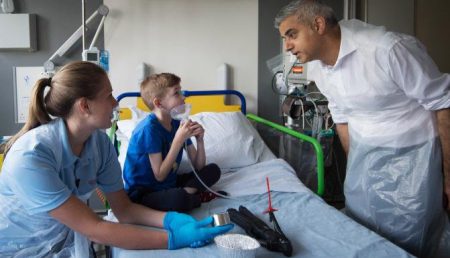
column 132, row 213
column 79, row 217
column 443, row 119
column 342, row 130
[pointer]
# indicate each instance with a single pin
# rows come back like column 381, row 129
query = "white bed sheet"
column 281, row 176
column 314, row 228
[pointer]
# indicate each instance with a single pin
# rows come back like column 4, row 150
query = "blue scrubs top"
column 39, row 174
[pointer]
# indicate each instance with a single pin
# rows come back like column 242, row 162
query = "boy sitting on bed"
column 155, row 151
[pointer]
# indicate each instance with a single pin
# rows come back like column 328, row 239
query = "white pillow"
column 230, row 139
column 125, row 129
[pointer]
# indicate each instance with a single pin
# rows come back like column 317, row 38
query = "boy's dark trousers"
column 177, row 199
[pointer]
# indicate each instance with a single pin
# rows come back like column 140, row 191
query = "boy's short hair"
column 156, row 85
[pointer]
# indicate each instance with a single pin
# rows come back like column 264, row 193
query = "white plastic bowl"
column 236, row 246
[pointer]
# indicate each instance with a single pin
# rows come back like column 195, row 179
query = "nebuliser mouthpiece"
column 115, row 114
column 181, row 112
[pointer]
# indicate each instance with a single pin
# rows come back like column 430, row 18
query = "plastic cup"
column 236, row 246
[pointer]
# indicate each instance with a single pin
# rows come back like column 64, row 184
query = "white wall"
column 190, row 38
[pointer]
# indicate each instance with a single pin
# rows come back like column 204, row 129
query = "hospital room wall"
column 55, row 22
column 189, row 38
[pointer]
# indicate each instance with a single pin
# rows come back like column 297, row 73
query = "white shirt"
column 384, row 85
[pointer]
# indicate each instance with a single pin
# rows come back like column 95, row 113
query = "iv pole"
column 83, row 11
column 103, row 10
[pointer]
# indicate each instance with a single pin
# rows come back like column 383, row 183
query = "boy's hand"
column 197, row 130
column 184, row 131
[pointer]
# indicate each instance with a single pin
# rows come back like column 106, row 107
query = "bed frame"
column 214, row 101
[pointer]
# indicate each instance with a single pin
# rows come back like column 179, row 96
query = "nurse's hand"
column 195, row 234
column 174, row 220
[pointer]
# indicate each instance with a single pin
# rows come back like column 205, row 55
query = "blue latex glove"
column 195, row 234
column 174, row 220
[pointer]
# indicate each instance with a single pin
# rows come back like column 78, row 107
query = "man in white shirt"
column 391, row 106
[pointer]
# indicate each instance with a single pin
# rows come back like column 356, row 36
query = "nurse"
column 391, row 107
column 55, row 162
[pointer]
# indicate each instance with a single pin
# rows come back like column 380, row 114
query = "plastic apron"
column 394, row 178
column 393, row 188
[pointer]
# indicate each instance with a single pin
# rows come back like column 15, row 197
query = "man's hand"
column 446, row 199
column 342, row 130
column 443, row 121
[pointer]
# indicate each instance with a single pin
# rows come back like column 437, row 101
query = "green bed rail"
column 313, row 141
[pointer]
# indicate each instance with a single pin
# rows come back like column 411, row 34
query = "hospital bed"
column 314, row 228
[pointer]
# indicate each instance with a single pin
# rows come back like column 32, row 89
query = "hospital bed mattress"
column 314, row 228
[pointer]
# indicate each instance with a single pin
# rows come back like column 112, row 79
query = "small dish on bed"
column 236, row 246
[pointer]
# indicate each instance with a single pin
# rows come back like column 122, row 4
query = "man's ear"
column 319, row 25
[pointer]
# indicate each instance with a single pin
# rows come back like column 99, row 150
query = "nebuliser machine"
column 300, row 99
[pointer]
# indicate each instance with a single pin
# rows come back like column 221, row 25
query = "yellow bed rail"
column 200, row 103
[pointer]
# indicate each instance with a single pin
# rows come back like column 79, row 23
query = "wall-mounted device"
column 303, row 107
column 7, row 6
column 143, row 71
column 18, row 31
column 91, row 55
column 295, row 74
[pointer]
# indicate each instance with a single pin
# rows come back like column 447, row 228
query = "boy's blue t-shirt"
column 150, row 137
